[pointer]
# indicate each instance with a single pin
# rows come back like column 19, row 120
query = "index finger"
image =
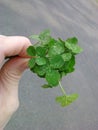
column 13, row 45
column 16, row 45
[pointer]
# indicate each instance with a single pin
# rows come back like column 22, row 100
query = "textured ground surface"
column 38, row 110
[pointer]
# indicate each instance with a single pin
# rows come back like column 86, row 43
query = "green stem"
column 62, row 89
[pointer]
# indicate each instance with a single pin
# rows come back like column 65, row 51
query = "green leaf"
column 61, row 40
column 31, row 62
column 66, row 56
column 46, row 86
column 40, row 70
column 52, row 77
column 56, row 48
column 31, row 51
column 45, row 37
column 36, row 37
column 62, row 100
column 63, row 73
column 40, row 51
column 56, row 61
column 69, row 65
column 71, row 98
column 54, row 58
column 66, row 100
column 52, row 42
column 73, row 47
column 40, row 60
column 72, row 40
column 44, row 34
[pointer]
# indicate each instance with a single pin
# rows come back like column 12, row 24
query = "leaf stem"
column 62, row 89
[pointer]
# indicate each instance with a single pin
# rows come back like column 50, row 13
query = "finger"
column 2, row 36
column 11, row 72
column 10, row 75
column 15, row 45
column 2, row 39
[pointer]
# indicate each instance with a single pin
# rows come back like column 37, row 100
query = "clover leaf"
column 56, row 61
column 66, row 56
column 66, row 100
column 72, row 40
column 41, row 51
column 39, row 70
column 36, row 37
column 40, row 60
column 31, row 51
column 72, row 45
column 56, row 48
column 52, row 59
column 31, row 62
column 52, row 77
column 43, row 35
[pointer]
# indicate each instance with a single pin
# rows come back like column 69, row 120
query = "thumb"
column 11, row 72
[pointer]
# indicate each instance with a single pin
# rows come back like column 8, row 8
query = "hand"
column 10, row 74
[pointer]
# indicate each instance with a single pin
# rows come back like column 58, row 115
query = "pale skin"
column 10, row 74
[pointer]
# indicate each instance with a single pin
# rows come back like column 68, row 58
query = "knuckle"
column 9, row 75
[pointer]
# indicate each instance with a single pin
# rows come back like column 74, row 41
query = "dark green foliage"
column 31, row 62
column 56, row 62
column 52, row 77
column 53, row 59
column 31, row 51
column 71, row 44
column 66, row 56
column 56, row 48
column 40, row 60
column 41, row 51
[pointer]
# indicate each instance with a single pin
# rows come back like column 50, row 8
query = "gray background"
column 65, row 18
